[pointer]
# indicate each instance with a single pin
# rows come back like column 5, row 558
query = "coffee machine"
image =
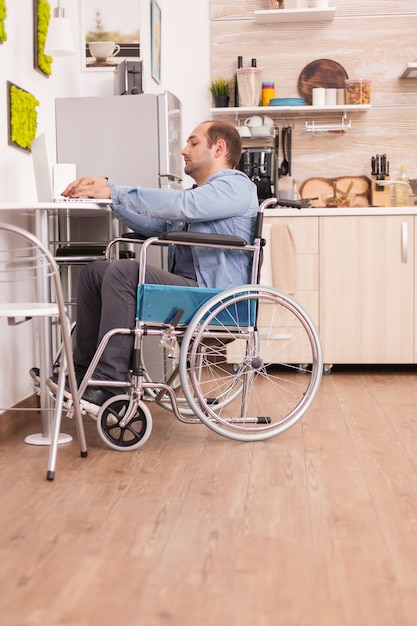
column 260, row 164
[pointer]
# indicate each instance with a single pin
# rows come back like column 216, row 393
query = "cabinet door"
column 298, row 256
column 291, row 265
column 367, row 289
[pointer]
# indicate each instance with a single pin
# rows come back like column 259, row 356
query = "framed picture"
column 110, row 33
column 155, row 41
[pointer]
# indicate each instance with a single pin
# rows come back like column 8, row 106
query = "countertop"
column 344, row 211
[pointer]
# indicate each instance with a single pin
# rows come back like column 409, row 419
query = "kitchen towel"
column 279, row 267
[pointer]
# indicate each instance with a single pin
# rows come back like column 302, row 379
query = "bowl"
column 287, row 102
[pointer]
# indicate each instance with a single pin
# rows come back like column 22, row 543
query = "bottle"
column 294, row 194
column 239, row 66
column 402, row 190
column 253, row 62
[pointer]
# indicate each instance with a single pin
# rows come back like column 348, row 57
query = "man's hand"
column 88, row 186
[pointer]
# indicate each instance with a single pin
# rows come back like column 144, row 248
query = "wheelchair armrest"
column 133, row 236
column 203, row 238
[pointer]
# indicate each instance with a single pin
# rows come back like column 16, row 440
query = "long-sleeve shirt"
column 226, row 204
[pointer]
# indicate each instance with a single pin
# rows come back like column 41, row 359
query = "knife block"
column 380, row 196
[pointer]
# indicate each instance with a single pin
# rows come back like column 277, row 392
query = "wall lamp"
column 59, row 39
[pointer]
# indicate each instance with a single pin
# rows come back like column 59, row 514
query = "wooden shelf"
column 410, row 71
column 306, row 110
column 274, row 16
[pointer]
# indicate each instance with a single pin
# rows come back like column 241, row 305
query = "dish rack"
column 341, row 127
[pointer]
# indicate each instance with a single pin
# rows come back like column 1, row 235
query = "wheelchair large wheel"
column 158, row 366
column 259, row 341
column 112, row 429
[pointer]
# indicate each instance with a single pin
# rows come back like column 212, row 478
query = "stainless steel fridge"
column 132, row 139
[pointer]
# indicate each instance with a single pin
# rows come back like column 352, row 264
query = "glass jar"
column 268, row 93
column 357, row 91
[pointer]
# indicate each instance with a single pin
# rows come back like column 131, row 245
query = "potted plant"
column 220, row 90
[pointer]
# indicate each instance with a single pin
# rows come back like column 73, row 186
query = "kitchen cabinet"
column 304, row 285
column 367, row 289
column 355, row 277
column 293, row 244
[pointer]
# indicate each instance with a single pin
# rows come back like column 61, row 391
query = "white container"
column 321, row 4
column 340, row 98
column 318, row 96
column 330, row 97
column 295, row 4
column 249, row 83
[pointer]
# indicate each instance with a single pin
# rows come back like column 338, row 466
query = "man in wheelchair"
column 222, row 201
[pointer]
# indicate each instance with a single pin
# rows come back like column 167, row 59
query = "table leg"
column 45, row 357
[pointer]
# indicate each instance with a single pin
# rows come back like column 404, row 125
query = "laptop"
column 50, row 181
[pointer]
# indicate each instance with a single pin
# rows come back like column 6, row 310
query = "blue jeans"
column 106, row 299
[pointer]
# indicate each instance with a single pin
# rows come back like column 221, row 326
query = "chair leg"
column 65, row 362
column 56, row 427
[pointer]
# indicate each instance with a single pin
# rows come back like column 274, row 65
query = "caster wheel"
column 124, row 437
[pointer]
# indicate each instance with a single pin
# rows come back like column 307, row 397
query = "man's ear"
column 221, row 148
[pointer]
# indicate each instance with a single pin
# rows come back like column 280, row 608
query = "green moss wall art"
column 23, row 117
column 41, row 15
column 3, row 13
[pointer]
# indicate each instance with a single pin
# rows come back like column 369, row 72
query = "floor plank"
column 317, row 527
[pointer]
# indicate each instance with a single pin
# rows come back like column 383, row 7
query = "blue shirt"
column 226, row 204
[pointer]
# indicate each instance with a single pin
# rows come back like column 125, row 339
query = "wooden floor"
column 315, row 528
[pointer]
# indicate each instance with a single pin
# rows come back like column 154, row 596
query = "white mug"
column 260, row 131
column 103, row 50
column 255, row 120
column 244, row 131
column 267, row 121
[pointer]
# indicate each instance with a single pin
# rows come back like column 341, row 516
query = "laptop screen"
column 50, row 181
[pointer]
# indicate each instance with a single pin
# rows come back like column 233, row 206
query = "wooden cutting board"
column 317, row 187
column 321, row 73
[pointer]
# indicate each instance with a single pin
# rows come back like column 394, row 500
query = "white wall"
column 185, row 72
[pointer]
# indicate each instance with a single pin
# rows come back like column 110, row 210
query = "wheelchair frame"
column 247, row 363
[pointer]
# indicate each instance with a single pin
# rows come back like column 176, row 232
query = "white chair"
column 30, row 287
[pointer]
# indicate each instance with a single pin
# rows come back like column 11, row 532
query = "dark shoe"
column 35, row 374
column 97, row 395
column 93, row 395
column 52, row 383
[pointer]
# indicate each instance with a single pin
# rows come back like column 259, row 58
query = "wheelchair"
column 245, row 361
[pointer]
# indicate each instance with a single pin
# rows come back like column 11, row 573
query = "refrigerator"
column 133, row 139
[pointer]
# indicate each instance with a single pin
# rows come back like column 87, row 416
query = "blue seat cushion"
column 160, row 303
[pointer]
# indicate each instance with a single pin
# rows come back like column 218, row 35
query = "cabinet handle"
column 404, row 242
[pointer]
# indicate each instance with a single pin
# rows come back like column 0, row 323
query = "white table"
column 42, row 212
